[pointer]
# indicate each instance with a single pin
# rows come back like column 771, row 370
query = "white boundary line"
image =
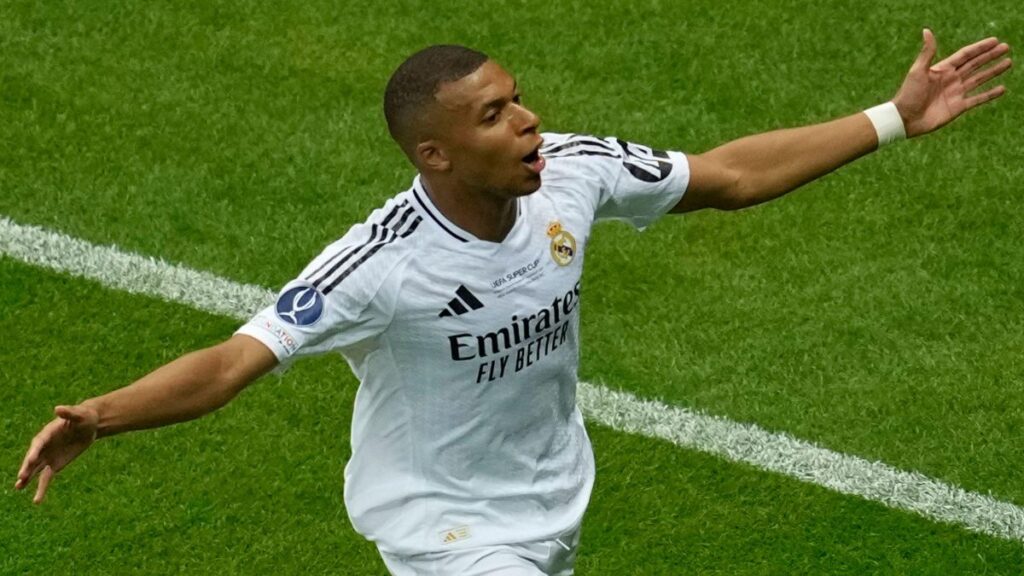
column 747, row 443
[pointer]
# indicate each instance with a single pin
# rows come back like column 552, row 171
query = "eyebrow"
column 498, row 102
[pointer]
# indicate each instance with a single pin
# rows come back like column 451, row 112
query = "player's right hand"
column 56, row 445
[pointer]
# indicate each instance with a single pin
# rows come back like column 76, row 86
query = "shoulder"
column 579, row 166
column 609, row 158
column 369, row 252
column 581, row 156
column 580, row 147
column 559, row 145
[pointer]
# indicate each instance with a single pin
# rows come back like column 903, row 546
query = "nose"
column 528, row 121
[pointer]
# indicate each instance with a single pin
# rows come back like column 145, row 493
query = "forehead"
column 474, row 91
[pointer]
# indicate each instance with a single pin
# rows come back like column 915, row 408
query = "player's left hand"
column 933, row 96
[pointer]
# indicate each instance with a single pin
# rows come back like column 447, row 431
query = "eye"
column 491, row 117
column 518, row 99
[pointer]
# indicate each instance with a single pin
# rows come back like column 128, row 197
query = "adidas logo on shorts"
column 454, row 534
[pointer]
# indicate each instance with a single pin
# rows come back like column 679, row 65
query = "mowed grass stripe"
column 747, row 443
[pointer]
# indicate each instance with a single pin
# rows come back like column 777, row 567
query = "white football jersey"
column 465, row 430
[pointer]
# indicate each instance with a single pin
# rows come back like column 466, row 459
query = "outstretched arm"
column 759, row 168
column 187, row 388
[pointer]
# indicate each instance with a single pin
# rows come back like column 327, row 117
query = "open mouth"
column 534, row 161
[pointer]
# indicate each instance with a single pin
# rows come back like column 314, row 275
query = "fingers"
column 983, row 58
column 984, row 97
column 26, row 477
column 986, row 75
column 44, row 483
column 965, row 54
column 928, row 48
column 33, row 460
column 30, row 464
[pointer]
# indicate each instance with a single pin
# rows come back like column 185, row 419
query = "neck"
column 487, row 216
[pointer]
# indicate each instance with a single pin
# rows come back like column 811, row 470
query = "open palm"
column 934, row 95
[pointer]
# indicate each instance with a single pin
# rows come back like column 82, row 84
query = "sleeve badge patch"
column 300, row 305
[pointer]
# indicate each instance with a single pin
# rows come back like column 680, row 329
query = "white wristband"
column 887, row 122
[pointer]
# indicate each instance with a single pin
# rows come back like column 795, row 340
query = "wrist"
column 96, row 406
column 888, row 123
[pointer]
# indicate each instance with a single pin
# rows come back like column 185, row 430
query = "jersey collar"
column 423, row 201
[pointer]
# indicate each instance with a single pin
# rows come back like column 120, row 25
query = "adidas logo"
column 454, row 534
column 458, row 306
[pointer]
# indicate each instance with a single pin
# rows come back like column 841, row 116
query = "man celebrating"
column 457, row 306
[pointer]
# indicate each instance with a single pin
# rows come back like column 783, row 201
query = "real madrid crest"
column 563, row 245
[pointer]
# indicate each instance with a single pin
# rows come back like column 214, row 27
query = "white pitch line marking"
column 803, row 460
column 747, row 443
column 131, row 272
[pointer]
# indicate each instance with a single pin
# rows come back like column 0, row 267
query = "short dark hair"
column 418, row 79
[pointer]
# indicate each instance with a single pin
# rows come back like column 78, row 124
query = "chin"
column 520, row 190
column 531, row 186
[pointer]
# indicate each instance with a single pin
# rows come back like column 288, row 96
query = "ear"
column 431, row 156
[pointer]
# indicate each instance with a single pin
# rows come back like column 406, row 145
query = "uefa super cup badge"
column 563, row 245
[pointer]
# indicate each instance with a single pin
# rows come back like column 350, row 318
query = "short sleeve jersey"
column 465, row 429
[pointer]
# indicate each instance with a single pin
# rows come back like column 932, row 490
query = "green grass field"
column 878, row 312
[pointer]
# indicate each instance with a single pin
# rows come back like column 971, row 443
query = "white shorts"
column 546, row 557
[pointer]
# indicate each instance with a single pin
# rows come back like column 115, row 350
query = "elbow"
column 719, row 182
column 746, row 189
column 238, row 362
column 736, row 193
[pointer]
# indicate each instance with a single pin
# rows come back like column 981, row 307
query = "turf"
column 877, row 312
column 256, row 487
